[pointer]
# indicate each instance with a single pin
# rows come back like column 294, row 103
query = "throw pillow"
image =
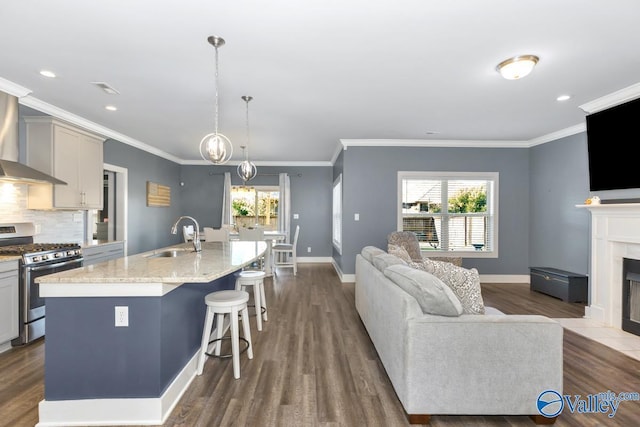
column 465, row 283
column 400, row 252
column 385, row 260
column 408, row 240
column 433, row 296
column 368, row 252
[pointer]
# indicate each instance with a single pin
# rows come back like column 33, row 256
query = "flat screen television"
column 612, row 135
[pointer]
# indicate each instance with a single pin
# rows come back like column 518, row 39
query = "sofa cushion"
column 385, row 260
column 465, row 283
column 433, row 296
column 368, row 252
column 400, row 252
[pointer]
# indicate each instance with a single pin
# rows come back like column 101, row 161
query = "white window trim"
column 494, row 176
column 336, row 216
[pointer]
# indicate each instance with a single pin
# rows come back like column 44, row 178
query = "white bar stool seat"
column 220, row 303
column 255, row 279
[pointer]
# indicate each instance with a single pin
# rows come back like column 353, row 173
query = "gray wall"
column 370, row 189
column 201, row 197
column 148, row 227
column 559, row 181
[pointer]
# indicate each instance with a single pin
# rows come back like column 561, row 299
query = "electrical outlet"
column 296, row 216
column 309, row 249
column 122, row 316
column 356, row 217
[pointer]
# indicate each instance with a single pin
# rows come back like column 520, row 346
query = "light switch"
column 356, row 217
column 296, row 216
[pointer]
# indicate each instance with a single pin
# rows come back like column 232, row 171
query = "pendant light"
column 215, row 147
column 246, row 169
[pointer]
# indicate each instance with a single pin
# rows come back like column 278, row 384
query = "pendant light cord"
column 216, row 79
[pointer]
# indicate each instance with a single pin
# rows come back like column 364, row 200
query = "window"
column 451, row 211
column 252, row 206
column 337, row 214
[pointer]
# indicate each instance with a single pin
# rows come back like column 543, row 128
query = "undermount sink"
column 169, row 253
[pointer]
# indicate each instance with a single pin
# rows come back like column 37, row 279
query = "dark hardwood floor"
column 314, row 365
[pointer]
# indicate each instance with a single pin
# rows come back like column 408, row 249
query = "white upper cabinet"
column 70, row 154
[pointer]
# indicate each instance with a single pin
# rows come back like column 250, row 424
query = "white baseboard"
column 103, row 412
column 505, row 278
column 314, row 260
column 5, row 346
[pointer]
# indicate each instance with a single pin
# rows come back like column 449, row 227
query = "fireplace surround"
column 615, row 235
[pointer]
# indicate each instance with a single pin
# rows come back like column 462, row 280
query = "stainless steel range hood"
column 10, row 169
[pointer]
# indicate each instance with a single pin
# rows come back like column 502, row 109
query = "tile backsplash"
column 54, row 226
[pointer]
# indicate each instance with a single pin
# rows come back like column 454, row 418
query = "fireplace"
column 631, row 295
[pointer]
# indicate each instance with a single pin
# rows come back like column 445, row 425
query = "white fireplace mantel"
column 615, row 234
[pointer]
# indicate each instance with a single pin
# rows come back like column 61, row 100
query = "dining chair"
column 251, row 234
column 216, row 234
column 284, row 255
column 255, row 234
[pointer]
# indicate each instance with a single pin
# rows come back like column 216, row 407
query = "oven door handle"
column 60, row 264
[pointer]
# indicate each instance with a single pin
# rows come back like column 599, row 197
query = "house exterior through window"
column 251, row 206
column 451, row 211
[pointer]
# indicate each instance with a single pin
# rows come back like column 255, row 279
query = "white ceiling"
column 319, row 70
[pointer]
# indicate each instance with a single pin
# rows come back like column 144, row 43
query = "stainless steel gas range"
column 36, row 259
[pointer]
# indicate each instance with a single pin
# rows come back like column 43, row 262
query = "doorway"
column 110, row 223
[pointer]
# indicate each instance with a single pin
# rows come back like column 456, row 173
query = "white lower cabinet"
column 102, row 252
column 8, row 303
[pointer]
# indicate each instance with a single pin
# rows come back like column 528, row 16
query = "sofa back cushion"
column 465, row 283
column 433, row 296
column 368, row 252
column 382, row 261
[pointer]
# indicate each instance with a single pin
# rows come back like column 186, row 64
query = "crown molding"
column 13, row 89
column 468, row 143
column 563, row 133
column 623, row 95
column 259, row 163
column 61, row 114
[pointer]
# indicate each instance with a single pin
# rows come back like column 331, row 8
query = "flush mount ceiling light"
column 47, row 73
column 246, row 169
column 215, row 147
column 517, row 67
column 563, row 98
column 111, row 107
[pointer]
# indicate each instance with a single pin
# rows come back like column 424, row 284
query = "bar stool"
column 219, row 303
column 255, row 279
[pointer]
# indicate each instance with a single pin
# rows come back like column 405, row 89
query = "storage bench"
column 569, row 287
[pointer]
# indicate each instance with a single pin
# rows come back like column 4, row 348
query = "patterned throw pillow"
column 465, row 283
column 400, row 252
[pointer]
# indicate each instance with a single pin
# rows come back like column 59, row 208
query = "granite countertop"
column 145, row 275
column 4, row 258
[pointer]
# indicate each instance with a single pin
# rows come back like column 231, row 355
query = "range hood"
column 10, row 169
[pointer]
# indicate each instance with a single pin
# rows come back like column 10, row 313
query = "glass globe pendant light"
column 215, row 147
column 246, row 169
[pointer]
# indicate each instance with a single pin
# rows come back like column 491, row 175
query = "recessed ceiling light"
column 48, row 73
column 563, row 97
column 432, row 132
column 111, row 108
column 517, row 67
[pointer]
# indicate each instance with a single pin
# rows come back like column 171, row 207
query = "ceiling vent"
column 106, row 87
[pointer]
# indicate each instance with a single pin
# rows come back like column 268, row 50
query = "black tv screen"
column 612, row 135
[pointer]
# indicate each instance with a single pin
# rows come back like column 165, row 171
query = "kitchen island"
column 97, row 373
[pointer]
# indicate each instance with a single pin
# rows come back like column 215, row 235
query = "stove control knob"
column 36, row 258
column 70, row 253
column 45, row 257
column 58, row 254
